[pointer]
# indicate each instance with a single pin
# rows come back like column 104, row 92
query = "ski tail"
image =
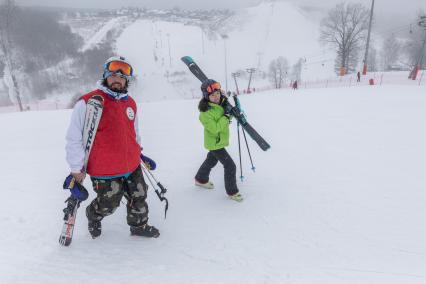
column 70, row 215
column 194, row 68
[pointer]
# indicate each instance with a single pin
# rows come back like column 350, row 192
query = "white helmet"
column 126, row 69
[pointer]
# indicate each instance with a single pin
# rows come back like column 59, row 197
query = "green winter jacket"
column 216, row 127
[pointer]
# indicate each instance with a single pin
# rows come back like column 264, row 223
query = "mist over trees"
column 41, row 56
column 7, row 48
column 414, row 46
column 296, row 71
column 42, row 52
column 344, row 29
column 391, row 52
column 42, row 39
column 34, row 41
column 373, row 63
column 278, row 69
column 48, row 54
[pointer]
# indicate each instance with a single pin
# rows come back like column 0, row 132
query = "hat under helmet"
column 108, row 73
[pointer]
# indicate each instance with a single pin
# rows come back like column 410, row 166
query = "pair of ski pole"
column 237, row 104
column 154, row 183
column 160, row 191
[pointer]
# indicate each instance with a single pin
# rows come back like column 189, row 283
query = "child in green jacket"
column 216, row 138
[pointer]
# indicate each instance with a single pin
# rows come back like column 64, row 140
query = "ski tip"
column 187, row 59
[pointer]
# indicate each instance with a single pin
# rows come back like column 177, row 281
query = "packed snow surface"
column 339, row 198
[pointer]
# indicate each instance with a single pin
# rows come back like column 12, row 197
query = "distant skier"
column 114, row 162
column 295, row 85
column 358, row 76
column 214, row 116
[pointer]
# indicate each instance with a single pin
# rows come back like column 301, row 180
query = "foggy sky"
column 388, row 6
column 386, row 11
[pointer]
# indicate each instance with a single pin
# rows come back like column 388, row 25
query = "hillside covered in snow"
column 339, row 198
column 155, row 40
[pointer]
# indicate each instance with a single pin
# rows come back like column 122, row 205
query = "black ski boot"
column 145, row 231
column 95, row 228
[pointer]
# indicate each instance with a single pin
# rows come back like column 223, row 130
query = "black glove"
column 227, row 107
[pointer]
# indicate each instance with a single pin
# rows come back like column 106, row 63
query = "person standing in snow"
column 114, row 162
column 215, row 118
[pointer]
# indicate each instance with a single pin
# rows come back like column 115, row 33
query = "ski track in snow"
column 339, row 198
column 100, row 35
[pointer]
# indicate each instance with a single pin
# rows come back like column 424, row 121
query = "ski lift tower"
column 235, row 75
column 419, row 63
column 365, row 68
column 250, row 71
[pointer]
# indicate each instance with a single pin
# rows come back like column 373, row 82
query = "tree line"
column 39, row 55
column 345, row 28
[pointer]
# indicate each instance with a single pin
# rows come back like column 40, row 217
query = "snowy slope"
column 101, row 33
column 255, row 36
column 269, row 30
column 339, row 198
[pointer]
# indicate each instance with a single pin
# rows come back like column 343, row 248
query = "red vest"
column 115, row 150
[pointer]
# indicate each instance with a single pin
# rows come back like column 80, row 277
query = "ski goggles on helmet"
column 120, row 66
column 213, row 87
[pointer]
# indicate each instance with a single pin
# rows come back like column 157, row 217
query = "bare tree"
column 414, row 46
column 7, row 13
column 344, row 29
column 296, row 72
column 391, row 52
column 278, row 69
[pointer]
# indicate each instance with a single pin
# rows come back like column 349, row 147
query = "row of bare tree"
column 345, row 29
column 39, row 56
column 7, row 12
column 279, row 72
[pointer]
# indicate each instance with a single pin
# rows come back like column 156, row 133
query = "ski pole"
column 248, row 150
column 238, row 105
column 149, row 175
column 239, row 151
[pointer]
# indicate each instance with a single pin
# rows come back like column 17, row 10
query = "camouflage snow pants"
column 111, row 191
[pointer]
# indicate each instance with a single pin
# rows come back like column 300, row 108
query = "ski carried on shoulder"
column 94, row 108
column 235, row 111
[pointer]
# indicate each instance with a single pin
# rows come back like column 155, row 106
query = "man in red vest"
column 114, row 161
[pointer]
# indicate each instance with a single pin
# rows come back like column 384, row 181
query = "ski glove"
column 77, row 190
column 148, row 162
column 227, row 107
